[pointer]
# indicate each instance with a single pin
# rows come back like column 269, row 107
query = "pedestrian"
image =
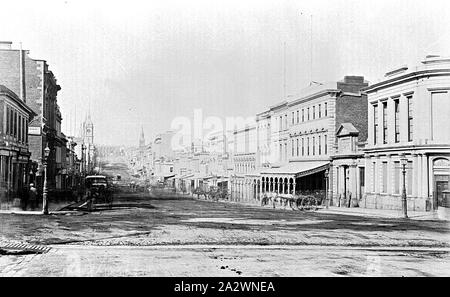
column 25, row 197
column 32, row 196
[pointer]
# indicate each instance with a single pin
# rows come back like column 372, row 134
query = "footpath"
column 353, row 211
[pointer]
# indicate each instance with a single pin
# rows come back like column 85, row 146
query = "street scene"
column 272, row 139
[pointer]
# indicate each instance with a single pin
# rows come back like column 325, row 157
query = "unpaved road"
column 204, row 261
column 180, row 236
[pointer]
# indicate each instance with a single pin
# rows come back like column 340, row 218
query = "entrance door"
column 440, row 200
column 441, row 172
column 361, row 182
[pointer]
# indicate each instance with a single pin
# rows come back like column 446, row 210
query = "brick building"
column 14, row 155
column 37, row 87
column 296, row 138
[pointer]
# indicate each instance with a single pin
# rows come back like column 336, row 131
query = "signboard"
column 34, row 130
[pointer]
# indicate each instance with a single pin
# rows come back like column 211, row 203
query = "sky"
column 133, row 64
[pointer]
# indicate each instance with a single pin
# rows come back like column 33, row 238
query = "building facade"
column 245, row 174
column 408, row 117
column 14, row 154
column 37, row 87
column 297, row 138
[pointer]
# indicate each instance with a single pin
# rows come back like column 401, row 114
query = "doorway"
column 441, row 173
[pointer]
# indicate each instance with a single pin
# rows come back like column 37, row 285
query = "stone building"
column 408, row 117
column 14, row 154
column 246, row 173
column 346, row 186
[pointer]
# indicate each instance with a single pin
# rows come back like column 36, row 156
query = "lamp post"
column 83, row 148
column 44, row 190
column 404, row 162
column 327, row 198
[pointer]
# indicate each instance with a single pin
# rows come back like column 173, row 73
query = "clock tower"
column 88, row 131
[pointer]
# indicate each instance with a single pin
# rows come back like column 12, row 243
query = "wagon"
column 98, row 190
column 301, row 202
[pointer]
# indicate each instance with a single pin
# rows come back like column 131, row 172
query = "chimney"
column 22, row 74
column 5, row 45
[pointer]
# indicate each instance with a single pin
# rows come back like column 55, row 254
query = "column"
column 354, row 184
column 278, row 186
column 424, row 176
column 261, row 186
column 419, row 176
column 293, row 186
column 415, row 159
column 283, row 185
column 390, row 172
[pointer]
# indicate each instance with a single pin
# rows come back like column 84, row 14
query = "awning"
column 298, row 169
column 197, row 176
column 169, row 176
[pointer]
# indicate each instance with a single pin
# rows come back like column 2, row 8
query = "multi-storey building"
column 246, row 174
column 296, row 138
column 14, row 154
column 408, row 118
column 37, row 87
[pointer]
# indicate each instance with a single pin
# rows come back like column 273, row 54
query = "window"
column 325, row 144
column 308, row 113
column 326, row 109
column 303, row 115
column 281, row 123
column 314, row 145
column 397, row 177
column 285, row 151
column 298, row 117
column 293, row 118
column 19, row 130
column 297, row 147
column 320, row 145
column 409, row 181
column 320, row 111
column 385, row 128
column 314, row 112
column 397, row 120
column 11, row 122
column 385, row 177
column 307, row 144
column 375, row 123
column 24, row 130
column 7, row 121
column 292, row 145
column 410, row 118
column 361, row 177
column 374, row 176
column 15, row 124
column 281, row 151
column 303, row 146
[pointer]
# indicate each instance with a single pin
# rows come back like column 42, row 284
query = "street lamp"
column 44, row 190
column 327, row 200
column 83, row 148
column 404, row 162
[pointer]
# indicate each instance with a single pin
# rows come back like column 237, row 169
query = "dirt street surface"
column 168, row 235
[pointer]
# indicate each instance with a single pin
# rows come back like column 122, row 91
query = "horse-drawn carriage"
column 216, row 193
column 300, row 201
column 213, row 193
column 98, row 190
column 199, row 191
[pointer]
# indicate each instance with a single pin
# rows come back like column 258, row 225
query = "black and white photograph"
column 224, row 145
